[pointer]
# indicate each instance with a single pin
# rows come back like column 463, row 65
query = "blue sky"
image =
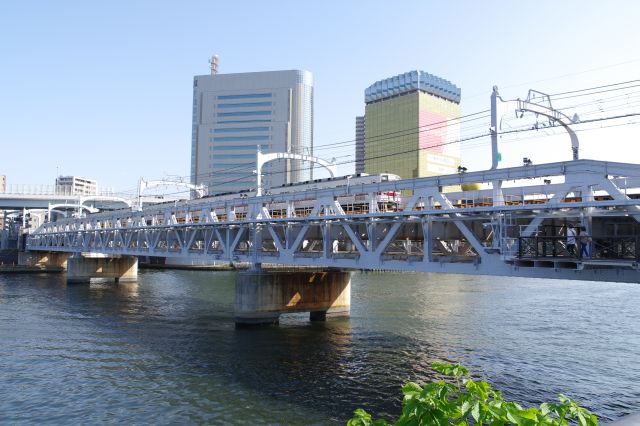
column 103, row 89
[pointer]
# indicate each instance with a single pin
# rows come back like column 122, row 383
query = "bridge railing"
column 601, row 247
column 35, row 189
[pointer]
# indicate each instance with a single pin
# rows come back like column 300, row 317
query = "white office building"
column 236, row 114
column 74, row 185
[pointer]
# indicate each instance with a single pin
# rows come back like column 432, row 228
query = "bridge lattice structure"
column 437, row 228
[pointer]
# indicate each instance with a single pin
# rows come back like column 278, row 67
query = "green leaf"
column 455, row 370
column 441, row 404
column 442, row 393
column 411, row 387
column 465, row 409
column 496, row 409
column 529, row 413
column 475, row 412
column 545, row 408
column 360, row 418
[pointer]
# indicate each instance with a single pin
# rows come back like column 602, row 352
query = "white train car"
column 354, row 203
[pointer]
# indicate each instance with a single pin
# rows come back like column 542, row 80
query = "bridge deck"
column 488, row 231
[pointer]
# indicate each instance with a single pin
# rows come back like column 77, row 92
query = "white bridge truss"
column 431, row 230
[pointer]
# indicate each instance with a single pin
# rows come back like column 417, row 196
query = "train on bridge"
column 461, row 223
column 356, row 200
column 359, row 200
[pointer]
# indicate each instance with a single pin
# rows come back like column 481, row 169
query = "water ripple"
column 165, row 350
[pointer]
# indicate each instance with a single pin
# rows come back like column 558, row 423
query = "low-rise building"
column 74, row 185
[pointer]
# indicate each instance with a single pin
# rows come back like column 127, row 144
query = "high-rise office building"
column 412, row 126
column 360, row 144
column 236, row 114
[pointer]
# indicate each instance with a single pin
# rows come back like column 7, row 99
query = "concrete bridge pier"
column 261, row 296
column 48, row 261
column 80, row 269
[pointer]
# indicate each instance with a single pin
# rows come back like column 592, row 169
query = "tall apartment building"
column 412, row 126
column 236, row 114
column 360, row 144
column 74, row 185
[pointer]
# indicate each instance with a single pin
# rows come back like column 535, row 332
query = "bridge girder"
column 432, row 231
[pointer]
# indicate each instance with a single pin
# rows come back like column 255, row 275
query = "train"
column 234, row 206
column 355, row 202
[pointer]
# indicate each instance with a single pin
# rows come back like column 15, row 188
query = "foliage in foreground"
column 468, row 402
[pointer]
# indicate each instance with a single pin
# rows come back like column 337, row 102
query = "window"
column 234, row 165
column 244, row 121
column 231, row 156
column 243, row 113
column 240, row 138
column 241, row 183
column 240, row 129
column 227, row 174
column 249, row 96
column 246, row 105
column 240, row 147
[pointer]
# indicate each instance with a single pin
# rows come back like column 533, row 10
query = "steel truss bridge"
column 503, row 230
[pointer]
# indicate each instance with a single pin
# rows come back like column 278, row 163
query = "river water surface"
column 165, row 350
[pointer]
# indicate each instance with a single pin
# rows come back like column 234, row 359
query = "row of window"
column 239, row 147
column 240, row 129
column 244, row 121
column 255, row 138
column 242, row 113
column 246, row 105
column 227, row 174
column 247, row 183
column 236, row 166
column 247, row 96
column 231, row 156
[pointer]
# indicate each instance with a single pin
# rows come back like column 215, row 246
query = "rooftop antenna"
column 214, row 61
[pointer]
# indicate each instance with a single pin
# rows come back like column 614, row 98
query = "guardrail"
column 601, row 247
column 34, row 189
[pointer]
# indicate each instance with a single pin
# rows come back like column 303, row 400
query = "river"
column 165, row 350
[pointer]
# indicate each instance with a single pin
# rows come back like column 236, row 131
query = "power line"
column 412, row 131
column 595, row 87
column 508, row 132
column 487, row 135
column 429, row 127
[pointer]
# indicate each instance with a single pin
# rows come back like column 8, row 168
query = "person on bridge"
column 585, row 239
column 571, row 240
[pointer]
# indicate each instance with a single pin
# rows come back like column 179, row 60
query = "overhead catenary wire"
column 485, row 135
column 466, row 119
column 508, row 132
column 409, row 132
column 412, row 131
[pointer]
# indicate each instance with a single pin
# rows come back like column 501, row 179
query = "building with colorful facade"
column 360, row 144
column 412, row 126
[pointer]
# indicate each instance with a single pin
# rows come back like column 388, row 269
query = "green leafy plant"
column 467, row 402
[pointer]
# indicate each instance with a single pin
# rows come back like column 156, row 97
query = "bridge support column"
column 81, row 269
column 261, row 296
column 45, row 260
